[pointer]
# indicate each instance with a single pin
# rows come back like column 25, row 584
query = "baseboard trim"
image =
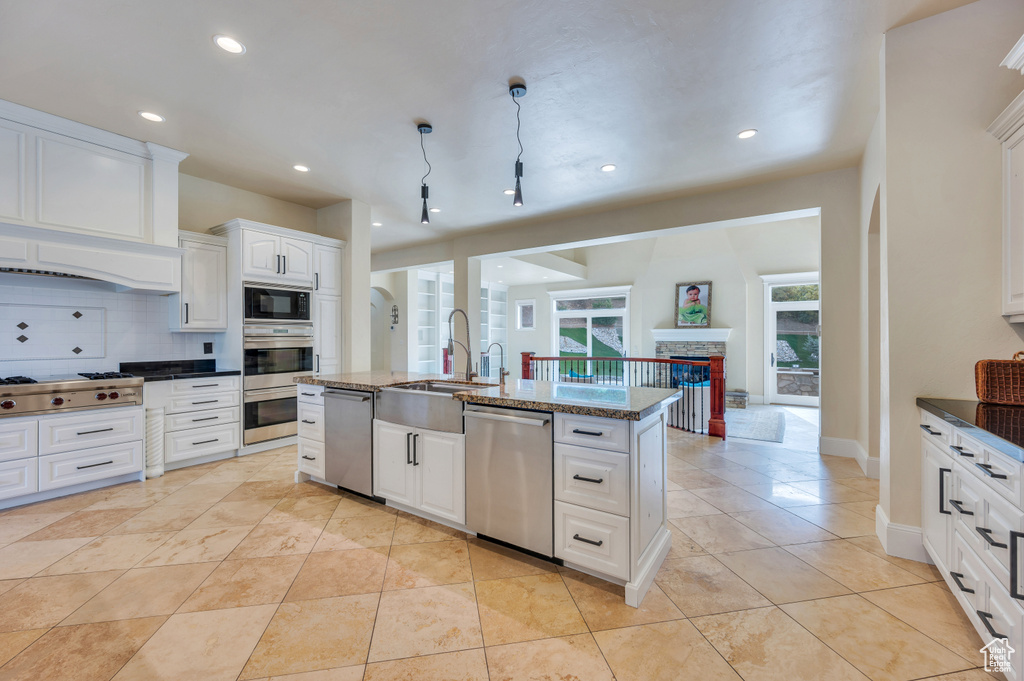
column 756, row 399
column 850, row 449
column 902, row 541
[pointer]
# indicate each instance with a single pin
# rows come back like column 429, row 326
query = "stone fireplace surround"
column 698, row 343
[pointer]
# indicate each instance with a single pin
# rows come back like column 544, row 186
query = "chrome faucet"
column 470, row 374
column 501, row 371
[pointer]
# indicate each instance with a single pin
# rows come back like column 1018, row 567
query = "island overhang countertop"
column 374, row 381
column 626, row 403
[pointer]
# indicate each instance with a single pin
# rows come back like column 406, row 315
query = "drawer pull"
column 207, row 402
column 312, row 423
column 596, row 481
column 592, row 433
column 208, row 385
column 208, row 418
column 90, row 432
column 309, row 458
column 956, row 578
column 930, row 431
column 958, row 505
column 985, row 617
column 94, row 465
column 587, row 541
column 986, row 468
column 1015, row 565
column 206, row 442
column 987, row 534
column 309, row 394
column 961, row 451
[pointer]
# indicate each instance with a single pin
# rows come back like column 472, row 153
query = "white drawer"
column 204, row 386
column 936, row 430
column 19, row 477
column 593, row 478
column 1003, row 521
column 90, row 429
column 592, row 539
column 590, row 431
column 200, row 419
column 966, row 503
column 311, row 421
column 18, row 438
column 967, row 572
column 177, row 405
column 72, row 468
column 311, row 457
column 191, row 444
column 994, row 613
column 1002, row 474
column 313, row 394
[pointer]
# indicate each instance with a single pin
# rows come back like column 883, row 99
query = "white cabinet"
column 326, row 334
column 936, row 516
column 312, row 451
column 188, row 419
column 73, row 468
column 90, row 429
column 18, row 477
column 274, row 258
column 327, row 270
column 311, row 458
column 18, row 438
column 203, row 303
column 1008, row 128
column 422, row 469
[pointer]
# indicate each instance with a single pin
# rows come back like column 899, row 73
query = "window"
column 591, row 322
column 525, row 315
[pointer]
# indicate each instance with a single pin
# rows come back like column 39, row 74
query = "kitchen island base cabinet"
column 421, row 469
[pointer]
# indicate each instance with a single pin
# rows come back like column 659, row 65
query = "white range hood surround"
column 709, row 335
column 138, row 266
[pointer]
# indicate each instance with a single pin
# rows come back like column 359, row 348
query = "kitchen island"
column 573, row 472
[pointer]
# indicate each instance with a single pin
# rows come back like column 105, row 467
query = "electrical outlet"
column 207, row 348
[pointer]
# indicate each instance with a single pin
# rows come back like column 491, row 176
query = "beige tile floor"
column 232, row 571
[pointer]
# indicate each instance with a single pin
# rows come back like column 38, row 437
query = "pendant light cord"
column 423, row 180
column 518, row 123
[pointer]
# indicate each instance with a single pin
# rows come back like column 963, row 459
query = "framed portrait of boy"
column 693, row 304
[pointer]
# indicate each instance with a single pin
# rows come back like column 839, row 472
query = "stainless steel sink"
column 424, row 405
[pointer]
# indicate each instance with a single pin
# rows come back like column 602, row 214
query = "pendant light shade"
column 518, row 90
column 425, row 129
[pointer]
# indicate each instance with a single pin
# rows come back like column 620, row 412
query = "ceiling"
column 658, row 87
column 510, row 271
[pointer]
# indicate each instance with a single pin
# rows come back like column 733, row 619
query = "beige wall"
column 941, row 222
column 203, row 204
column 731, row 258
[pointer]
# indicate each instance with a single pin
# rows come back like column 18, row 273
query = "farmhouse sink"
column 424, row 405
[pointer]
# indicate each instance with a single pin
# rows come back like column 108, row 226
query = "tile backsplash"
column 113, row 327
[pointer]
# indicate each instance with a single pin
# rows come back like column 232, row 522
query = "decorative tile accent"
column 22, row 326
column 77, row 350
column 77, row 315
column 22, row 339
column 58, row 331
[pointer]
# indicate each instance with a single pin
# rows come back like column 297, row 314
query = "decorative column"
column 716, row 424
column 154, row 442
column 528, row 365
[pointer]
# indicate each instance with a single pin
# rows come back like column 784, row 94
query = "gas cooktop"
column 24, row 396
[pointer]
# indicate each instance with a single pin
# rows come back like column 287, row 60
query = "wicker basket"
column 1000, row 381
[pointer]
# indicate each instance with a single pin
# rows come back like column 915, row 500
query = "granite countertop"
column 997, row 426
column 374, row 381
column 176, row 369
column 613, row 401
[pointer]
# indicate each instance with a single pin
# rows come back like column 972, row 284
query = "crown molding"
column 691, row 335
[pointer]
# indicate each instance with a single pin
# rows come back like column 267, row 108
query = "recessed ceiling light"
column 500, row 266
column 608, row 167
column 747, row 134
column 229, row 44
column 451, row 271
column 377, row 224
column 500, row 281
column 543, row 277
column 301, row 168
column 150, row 116
column 509, row 192
column 435, row 210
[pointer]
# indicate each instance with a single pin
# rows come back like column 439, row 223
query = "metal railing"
column 701, row 404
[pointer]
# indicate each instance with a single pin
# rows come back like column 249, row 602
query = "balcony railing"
column 701, row 404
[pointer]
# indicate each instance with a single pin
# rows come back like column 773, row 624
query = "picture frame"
column 693, row 304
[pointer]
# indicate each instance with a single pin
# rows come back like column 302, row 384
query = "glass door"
column 794, row 345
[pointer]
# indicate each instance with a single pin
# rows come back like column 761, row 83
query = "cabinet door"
column 1013, row 224
column 204, row 281
column 326, row 334
column 260, row 256
column 936, row 478
column 296, row 261
column 393, row 472
column 327, row 275
column 440, row 461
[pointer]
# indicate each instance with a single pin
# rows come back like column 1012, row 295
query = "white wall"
column 731, row 258
column 203, row 204
column 136, row 327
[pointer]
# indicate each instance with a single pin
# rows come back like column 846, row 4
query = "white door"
column 327, row 334
column 204, row 281
column 440, row 459
column 393, row 473
column 261, row 256
column 296, row 261
column 936, row 480
column 793, row 343
column 327, row 273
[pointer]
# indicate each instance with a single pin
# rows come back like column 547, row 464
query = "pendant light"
column 518, row 90
column 425, row 129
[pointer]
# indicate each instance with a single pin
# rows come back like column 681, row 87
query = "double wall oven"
column 277, row 347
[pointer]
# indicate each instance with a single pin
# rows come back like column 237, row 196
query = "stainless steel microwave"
column 278, row 304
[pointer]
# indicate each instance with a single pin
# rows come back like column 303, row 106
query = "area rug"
column 767, row 425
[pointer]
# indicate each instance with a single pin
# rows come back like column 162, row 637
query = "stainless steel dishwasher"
column 509, row 476
column 348, row 439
